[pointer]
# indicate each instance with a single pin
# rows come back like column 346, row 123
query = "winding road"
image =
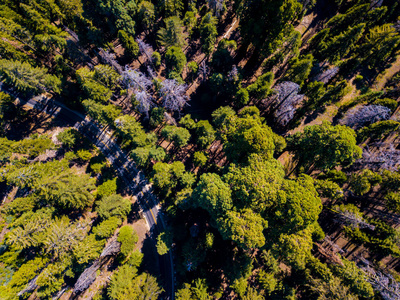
column 136, row 183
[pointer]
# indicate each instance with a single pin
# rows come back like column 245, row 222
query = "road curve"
column 134, row 179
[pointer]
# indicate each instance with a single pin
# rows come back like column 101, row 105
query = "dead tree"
column 109, row 58
column 382, row 157
column 352, row 219
column 286, row 101
column 145, row 49
column 360, row 116
column 327, row 75
column 173, row 95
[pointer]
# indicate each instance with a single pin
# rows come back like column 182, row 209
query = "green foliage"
column 178, row 135
column 261, row 88
column 132, row 131
column 208, row 33
column 156, row 116
column 300, row 69
column 164, row 242
column 324, row 146
column 246, row 135
column 221, row 116
column 156, row 59
column 199, row 159
column 107, row 188
column 268, row 174
column 242, row 97
column 294, row 249
column 167, row 177
column 107, row 227
column 68, row 137
column 393, row 201
column 129, row 43
column 175, row 59
column 27, row 79
column 328, row 189
column 146, row 14
column 387, row 102
column 267, row 281
column 187, row 122
column 264, row 23
column 362, row 183
column 354, row 278
column 213, row 195
column 244, row 228
column 196, row 291
column 336, row 176
column 113, row 205
column 378, row 130
column 128, row 239
column 172, row 35
column 92, row 88
column 205, row 133
column 84, row 155
column 143, row 155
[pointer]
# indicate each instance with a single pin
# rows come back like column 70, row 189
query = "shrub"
column 84, row 155
column 106, row 228
column 199, row 159
column 128, row 239
column 241, row 97
column 113, row 205
column 107, row 188
column 156, row 59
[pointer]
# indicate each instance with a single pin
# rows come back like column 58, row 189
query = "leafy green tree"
column 126, row 284
column 88, row 249
column 132, row 131
column 342, row 44
column 175, row 59
column 156, row 59
column 300, row 69
column 106, row 75
column 244, row 228
column 324, row 146
column 393, row 201
column 261, row 88
column 246, row 135
column 241, row 97
column 120, row 286
column 297, row 207
column 68, row 137
column 172, row 35
column 200, row 159
column 178, row 135
column 164, row 242
column 190, row 21
column 113, row 205
column 27, row 79
column 128, row 239
column 167, row 177
column 146, row 14
column 221, row 117
column 354, row 278
column 213, row 195
column 264, row 23
column 331, row 289
column 66, row 190
column 196, row 291
column 294, row 249
column 93, row 89
column 129, row 43
column 362, row 183
column 107, row 227
column 257, row 184
column 205, row 133
column 208, row 33
column 143, row 155
column 171, row 7
column 107, row 188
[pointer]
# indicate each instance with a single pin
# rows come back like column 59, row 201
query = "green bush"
column 175, row 59
column 128, row 239
column 113, row 205
column 84, row 155
column 387, row 102
column 199, row 159
column 107, row 188
column 106, row 228
column 241, row 97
